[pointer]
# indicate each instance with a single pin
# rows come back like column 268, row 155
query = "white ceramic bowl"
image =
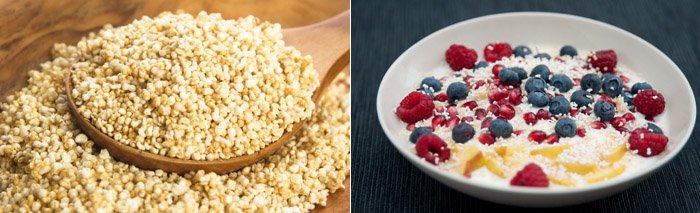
column 539, row 29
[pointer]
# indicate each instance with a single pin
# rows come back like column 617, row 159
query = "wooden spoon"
column 328, row 42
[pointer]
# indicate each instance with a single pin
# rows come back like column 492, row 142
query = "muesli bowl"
column 538, row 29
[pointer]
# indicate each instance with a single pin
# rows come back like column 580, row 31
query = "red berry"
column 530, row 118
column 493, row 108
column 411, row 127
column 515, row 96
column 460, row 57
column 415, row 107
column 468, row 119
column 487, row 138
column 486, row 123
column 438, row 120
column 552, row 138
column 573, row 112
column 432, row 148
column 496, row 94
column 618, row 122
column 496, row 69
column 537, row 136
column 649, row 102
column 452, row 122
column 543, row 114
column 442, row 97
column 581, row 132
column 495, row 51
column 480, row 113
column 603, row 61
column 439, row 110
column 452, row 111
column 629, row 116
column 646, row 143
column 506, row 112
column 598, row 125
column 470, row 104
column 532, row 176
column 518, row 132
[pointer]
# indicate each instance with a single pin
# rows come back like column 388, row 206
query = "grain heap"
column 200, row 88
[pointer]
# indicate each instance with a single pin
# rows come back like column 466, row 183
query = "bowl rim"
column 455, row 178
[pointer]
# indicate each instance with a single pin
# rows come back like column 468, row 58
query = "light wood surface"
column 28, row 30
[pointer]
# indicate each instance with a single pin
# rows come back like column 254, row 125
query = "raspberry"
column 646, row 143
column 430, row 146
column 530, row 118
column 496, row 69
column 598, row 125
column 649, row 102
column 487, row 138
column 415, row 107
column 460, row 57
column 495, row 51
column 506, row 111
column 531, row 175
column 470, row 104
column 537, row 136
column 480, row 113
column 442, row 97
column 603, row 61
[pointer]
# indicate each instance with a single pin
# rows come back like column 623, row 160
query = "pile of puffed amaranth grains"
column 47, row 164
column 193, row 87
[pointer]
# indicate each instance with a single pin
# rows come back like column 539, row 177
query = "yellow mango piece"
column 491, row 162
column 471, row 158
column 512, row 149
column 616, row 154
column 500, row 150
column 579, row 168
column 605, row 174
column 562, row 181
column 551, row 151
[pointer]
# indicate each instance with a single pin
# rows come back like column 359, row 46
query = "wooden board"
column 28, row 30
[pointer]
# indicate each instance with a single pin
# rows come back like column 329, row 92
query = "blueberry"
column 568, row 50
column 522, row 74
column 521, row 51
column 562, row 82
column 543, row 56
column 591, row 82
column 537, row 99
column 604, row 110
column 640, row 86
column 654, row 128
column 541, row 70
column 418, row 132
column 457, row 91
column 500, row 128
column 481, row 64
column 535, row 84
column 606, row 76
column 431, row 82
column 612, row 86
column 559, row 105
column 582, row 98
column 509, row 76
column 462, row 133
column 627, row 96
column 565, row 127
column 427, row 91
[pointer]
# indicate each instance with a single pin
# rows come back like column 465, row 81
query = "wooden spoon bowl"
column 327, row 42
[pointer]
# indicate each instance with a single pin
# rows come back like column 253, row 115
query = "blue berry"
column 604, row 110
column 591, row 81
column 612, row 86
column 522, row 74
column 543, row 56
column 500, row 128
column 535, row 84
column 481, row 64
column 654, row 128
column 627, row 96
column 562, row 82
column 431, row 82
column 582, row 98
column 521, row 51
column 509, row 76
column 541, row 70
column 537, row 99
column 427, row 91
column 462, row 133
column 640, row 86
column 418, row 132
column 568, row 50
column 606, row 76
column 565, row 128
column 559, row 105
column 457, row 91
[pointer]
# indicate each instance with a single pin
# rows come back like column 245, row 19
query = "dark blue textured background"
column 382, row 180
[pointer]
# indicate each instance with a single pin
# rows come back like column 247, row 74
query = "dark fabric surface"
column 383, row 181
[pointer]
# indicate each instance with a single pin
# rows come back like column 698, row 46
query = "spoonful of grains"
column 184, row 93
